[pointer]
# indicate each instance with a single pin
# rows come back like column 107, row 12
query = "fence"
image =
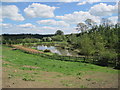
column 92, row 60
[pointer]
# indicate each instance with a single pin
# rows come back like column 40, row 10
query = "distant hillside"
column 22, row 36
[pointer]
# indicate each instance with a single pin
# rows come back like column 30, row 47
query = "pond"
column 57, row 50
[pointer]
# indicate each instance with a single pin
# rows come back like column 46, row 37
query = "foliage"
column 58, row 38
column 46, row 50
column 47, row 39
column 59, row 32
column 86, row 45
column 81, row 27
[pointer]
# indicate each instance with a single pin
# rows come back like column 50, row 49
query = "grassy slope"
column 19, row 58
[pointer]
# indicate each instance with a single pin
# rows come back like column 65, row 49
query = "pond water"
column 57, row 50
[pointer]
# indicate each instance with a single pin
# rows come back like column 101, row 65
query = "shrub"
column 46, row 50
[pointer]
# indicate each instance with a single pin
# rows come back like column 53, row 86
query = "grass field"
column 31, row 68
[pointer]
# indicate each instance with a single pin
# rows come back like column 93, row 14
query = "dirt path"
column 16, row 78
column 26, row 49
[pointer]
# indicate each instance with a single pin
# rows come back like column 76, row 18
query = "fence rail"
column 92, row 60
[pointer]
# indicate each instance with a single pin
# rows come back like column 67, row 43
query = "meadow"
column 19, row 65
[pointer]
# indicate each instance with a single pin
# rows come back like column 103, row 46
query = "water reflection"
column 57, row 50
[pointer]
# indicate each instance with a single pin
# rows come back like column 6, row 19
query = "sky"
column 48, row 17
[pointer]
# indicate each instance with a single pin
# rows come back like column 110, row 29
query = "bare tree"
column 81, row 27
column 106, row 22
column 90, row 23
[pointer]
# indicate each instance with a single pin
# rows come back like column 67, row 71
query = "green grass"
column 45, row 43
column 28, row 78
column 82, row 86
column 19, row 58
column 67, row 83
column 54, row 42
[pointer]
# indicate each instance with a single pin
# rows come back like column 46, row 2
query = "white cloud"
column 39, row 10
column 88, row 1
column 52, row 30
column 12, row 0
column 69, row 0
column 103, row 9
column 82, row 3
column 77, row 17
column 1, row 14
column 27, row 25
column 93, row 1
column 40, row 0
column 1, row 20
column 55, row 0
column 11, row 12
column 114, row 19
column 47, row 28
column 53, row 22
column 5, row 25
column 24, row 28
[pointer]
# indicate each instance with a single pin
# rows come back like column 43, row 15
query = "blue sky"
column 47, row 17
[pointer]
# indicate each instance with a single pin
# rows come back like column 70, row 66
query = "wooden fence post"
column 84, row 58
column 76, row 59
column 69, row 57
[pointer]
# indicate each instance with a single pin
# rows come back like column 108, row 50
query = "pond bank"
column 58, row 50
column 26, row 49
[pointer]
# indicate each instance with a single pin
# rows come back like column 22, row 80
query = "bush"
column 46, row 50
column 106, row 57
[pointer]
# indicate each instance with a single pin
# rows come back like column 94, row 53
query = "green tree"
column 86, row 45
column 59, row 38
column 59, row 32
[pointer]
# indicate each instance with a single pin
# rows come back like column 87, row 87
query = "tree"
column 58, row 38
column 81, row 27
column 49, row 39
column 90, row 23
column 72, row 39
column 106, row 22
column 44, row 39
column 86, row 45
column 59, row 32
